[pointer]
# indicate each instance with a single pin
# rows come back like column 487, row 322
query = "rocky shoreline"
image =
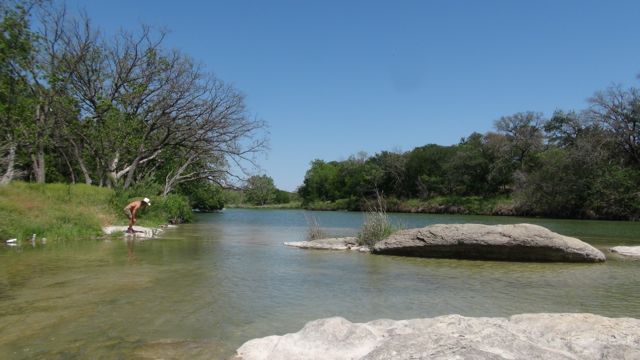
column 525, row 336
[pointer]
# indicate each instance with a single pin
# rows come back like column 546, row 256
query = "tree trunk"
column 11, row 158
column 37, row 156
column 132, row 170
column 83, row 167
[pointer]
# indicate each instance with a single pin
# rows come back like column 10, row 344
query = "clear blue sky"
column 333, row 78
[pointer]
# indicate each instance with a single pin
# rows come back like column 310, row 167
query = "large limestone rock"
column 521, row 242
column 528, row 336
column 343, row 243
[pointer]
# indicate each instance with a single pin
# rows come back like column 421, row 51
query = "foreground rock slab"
column 343, row 243
column 633, row 251
column 141, row 231
column 520, row 242
column 527, row 336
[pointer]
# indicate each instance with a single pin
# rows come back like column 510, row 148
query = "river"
column 202, row 289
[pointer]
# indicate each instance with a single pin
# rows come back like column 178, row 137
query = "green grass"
column 54, row 211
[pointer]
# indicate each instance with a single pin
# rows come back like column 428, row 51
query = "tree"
column 392, row 166
column 425, row 170
column 16, row 51
column 618, row 111
column 320, row 182
column 260, row 190
column 139, row 100
column 523, row 130
column 564, row 128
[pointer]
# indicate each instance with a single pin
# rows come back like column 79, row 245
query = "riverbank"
column 463, row 205
column 288, row 206
column 73, row 211
column 469, row 205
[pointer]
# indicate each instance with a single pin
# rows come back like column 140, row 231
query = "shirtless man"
column 132, row 209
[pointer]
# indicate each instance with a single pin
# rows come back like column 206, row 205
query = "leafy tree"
column 391, row 166
column 260, row 190
column 469, row 167
column 425, row 170
column 282, row 197
column 204, row 195
column 16, row 99
column 320, row 182
column 524, row 133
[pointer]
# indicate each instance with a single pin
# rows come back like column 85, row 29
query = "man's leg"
column 132, row 221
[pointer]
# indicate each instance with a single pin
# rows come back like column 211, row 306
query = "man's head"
column 146, row 201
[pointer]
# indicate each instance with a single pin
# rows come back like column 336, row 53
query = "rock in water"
column 520, row 242
column 633, row 251
column 140, row 231
column 343, row 243
column 527, row 336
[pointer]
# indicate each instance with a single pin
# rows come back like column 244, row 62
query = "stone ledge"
column 526, row 336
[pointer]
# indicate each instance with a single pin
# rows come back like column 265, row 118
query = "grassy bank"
column 54, row 211
column 66, row 211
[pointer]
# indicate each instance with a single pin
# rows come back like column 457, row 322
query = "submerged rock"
column 527, row 336
column 343, row 243
column 520, row 242
column 633, row 251
column 140, row 231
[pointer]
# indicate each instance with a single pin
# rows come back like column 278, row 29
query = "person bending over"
column 131, row 211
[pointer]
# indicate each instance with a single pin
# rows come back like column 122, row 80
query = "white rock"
column 627, row 250
column 141, row 232
column 527, row 336
column 343, row 243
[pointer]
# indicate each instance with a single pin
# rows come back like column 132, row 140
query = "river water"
column 202, row 289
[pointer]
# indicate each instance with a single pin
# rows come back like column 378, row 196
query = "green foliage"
column 203, row 195
column 260, row 190
column 282, row 197
column 173, row 208
column 233, row 197
column 615, row 193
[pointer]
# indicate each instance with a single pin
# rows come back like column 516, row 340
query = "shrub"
column 377, row 225
column 314, row 231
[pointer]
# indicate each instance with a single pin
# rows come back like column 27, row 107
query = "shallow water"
column 203, row 289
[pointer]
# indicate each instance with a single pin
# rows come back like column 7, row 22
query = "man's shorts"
column 127, row 212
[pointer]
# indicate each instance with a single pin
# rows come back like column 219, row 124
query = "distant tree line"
column 582, row 164
column 121, row 111
column 259, row 190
